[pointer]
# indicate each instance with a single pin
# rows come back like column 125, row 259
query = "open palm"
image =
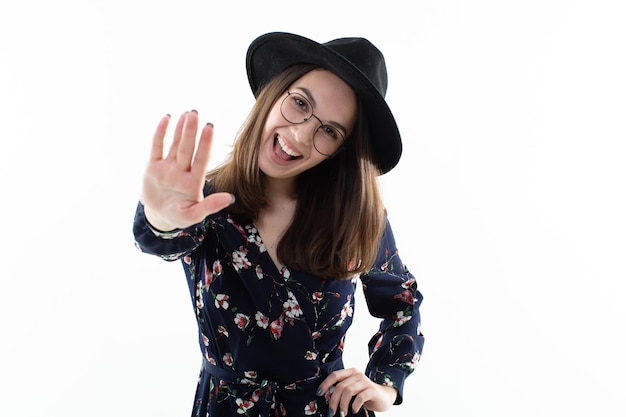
column 172, row 186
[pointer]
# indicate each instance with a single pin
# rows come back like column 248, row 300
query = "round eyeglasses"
column 296, row 109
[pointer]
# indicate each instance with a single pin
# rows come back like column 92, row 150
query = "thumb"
column 215, row 202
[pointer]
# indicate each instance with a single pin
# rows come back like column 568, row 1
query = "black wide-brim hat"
column 355, row 60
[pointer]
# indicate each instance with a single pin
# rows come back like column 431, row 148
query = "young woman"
column 273, row 240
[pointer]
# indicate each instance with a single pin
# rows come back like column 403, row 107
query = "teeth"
column 286, row 149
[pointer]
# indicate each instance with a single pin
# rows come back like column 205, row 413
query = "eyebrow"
column 309, row 97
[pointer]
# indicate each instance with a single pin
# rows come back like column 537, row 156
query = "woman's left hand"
column 352, row 383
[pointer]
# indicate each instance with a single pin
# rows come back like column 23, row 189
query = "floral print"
column 269, row 336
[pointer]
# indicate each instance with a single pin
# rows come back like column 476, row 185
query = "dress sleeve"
column 391, row 294
column 169, row 246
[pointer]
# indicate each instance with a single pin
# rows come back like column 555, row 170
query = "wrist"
column 156, row 223
column 391, row 392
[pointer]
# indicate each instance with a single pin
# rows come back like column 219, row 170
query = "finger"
column 375, row 397
column 203, row 153
column 360, row 399
column 156, row 153
column 187, row 143
column 336, row 380
column 332, row 379
column 211, row 204
column 178, row 132
column 345, row 392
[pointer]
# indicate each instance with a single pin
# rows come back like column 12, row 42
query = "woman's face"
column 288, row 148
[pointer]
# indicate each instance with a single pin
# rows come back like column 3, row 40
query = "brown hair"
column 339, row 214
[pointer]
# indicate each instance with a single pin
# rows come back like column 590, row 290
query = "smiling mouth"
column 283, row 151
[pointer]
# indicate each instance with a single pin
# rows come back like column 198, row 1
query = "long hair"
column 339, row 216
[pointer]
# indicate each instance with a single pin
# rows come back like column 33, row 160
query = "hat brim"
column 272, row 53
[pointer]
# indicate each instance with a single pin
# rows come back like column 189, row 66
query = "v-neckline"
column 277, row 221
column 278, row 267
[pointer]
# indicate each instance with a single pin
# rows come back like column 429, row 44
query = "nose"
column 304, row 132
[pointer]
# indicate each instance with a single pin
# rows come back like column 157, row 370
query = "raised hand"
column 348, row 385
column 172, row 186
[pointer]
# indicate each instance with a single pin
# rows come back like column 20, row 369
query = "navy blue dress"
column 269, row 337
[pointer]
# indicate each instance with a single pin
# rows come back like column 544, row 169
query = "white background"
column 508, row 204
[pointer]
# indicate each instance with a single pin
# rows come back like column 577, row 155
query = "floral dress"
column 270, row 336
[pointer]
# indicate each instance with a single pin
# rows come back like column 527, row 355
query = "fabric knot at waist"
column 268, row 395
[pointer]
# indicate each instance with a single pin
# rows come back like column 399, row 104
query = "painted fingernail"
column 232, row 199
column 341, row 414
column 318, row 392
column 331, row 412
column 210, row 124
column 195, row 111
column 168, row 115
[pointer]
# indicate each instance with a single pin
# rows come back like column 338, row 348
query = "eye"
column 300, row 104
column 330, row 133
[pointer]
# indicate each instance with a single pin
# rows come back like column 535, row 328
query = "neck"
column 281, row 190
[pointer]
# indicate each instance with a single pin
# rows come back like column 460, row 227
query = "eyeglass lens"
column 296, row 109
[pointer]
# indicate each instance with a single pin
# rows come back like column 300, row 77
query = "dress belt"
column 230, row 376
column 263, row 393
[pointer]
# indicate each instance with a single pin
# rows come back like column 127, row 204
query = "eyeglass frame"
column 306, row 119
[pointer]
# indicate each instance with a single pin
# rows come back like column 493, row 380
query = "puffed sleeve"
column 391, row 294
column 171, row 245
